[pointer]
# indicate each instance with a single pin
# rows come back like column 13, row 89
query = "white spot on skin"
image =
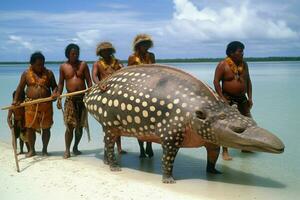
column 123, row 106
column 116, row 123
column 145, row 113
column 178, row 110
column 125, row 95
column 131, row 98
column 152, row 119
column 129, row 119
column 100, row 110
column 116, row 102
column 152, row 108
column 176, row 101
column 95, row 107
column 120, row 92
column 99, row 98
column 159, row 113
column 141, row 94
column 154, row 100
column 184, row 105
column 129, row 107
column 170, row 106
column 105, row 114
column 104, row 100
column 137, row 109
column 144, row 104
column 147, row 96
column 169, row 96
column 162, row 102
column 110, row 103
column 137, row 100
column 137, row 119
column 124, row 122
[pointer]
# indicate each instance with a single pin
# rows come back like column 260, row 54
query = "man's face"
column 143, row 46
column 106, row 53
column 238, row 55
column 38, row 65
column 73, row 55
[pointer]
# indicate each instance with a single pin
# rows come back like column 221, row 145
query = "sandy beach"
column 77, row 178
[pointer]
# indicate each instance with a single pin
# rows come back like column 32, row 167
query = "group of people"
column 232, row 82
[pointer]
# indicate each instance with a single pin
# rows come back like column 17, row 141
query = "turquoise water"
column 276, row 97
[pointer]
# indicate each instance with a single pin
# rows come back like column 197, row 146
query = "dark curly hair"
column 70, row 47
column 35, row 56
column 233, row 46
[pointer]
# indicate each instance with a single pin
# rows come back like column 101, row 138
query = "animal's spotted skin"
column 164, row 105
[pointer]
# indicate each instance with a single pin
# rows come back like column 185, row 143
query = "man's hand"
column 58, row 104
column 250, row 102
column 16, row 103
column 55, row 95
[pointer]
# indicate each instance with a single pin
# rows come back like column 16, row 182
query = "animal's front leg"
column 212, row 157
column 170, row 149
column 109, row 155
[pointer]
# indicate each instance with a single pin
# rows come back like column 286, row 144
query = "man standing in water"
column 233, row 73
column 141, row 44
column 77, row 77
column 104, row 68
column 39, row 82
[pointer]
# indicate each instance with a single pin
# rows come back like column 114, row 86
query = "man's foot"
column 67, row 154
column 45, row 153
column 122, row 152
column 143, row 155
column 246, row 151
column 30, row 154
column 226, row 156
column 76, row 151
column 21, row 152
column 213, row 171
column 115, row 168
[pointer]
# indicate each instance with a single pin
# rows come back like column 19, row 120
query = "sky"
column 179, row 28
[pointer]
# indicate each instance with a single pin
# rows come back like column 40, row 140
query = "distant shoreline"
column 186, row 60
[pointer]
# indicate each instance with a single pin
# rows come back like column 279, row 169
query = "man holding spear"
column 77, row 77
column 39, row 83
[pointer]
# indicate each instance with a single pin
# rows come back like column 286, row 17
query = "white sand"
column 77, row 178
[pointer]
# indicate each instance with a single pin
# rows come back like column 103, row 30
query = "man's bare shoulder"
column 222, row 64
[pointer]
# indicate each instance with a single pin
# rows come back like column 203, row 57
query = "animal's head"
column 224, row 125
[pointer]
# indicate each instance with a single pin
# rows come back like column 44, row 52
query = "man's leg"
column 119, row 146
column 78, row 136
column 68, row 140
column 225, row 154
column 45, row 138
column 21, row 145
column 31, row 142
column 244, row 109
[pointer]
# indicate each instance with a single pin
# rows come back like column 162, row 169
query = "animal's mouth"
column 251, row 139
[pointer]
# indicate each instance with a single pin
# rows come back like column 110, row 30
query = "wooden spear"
column 41, row 100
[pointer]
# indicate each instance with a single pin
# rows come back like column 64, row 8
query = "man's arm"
column 87, row 75
column 20, row 88
column 9, row 119
column 61, row 81
column 249, row 86
column 131, row 61
column 152, row 57
column 53, row 84
column 218, row 77
column 95, row 73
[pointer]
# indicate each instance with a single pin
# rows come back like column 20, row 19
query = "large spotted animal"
column 164, row 105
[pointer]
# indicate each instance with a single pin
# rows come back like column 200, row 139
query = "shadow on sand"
column 185, row 167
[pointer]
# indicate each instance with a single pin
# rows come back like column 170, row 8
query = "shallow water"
column 251, row 176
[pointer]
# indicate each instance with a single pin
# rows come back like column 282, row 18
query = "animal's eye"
column 200, row 115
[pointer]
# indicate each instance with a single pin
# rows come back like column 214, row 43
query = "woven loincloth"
column 75, row 113
column 39, row 116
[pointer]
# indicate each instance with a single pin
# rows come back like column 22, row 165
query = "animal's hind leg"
column 212, row 157
column 109, row 155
